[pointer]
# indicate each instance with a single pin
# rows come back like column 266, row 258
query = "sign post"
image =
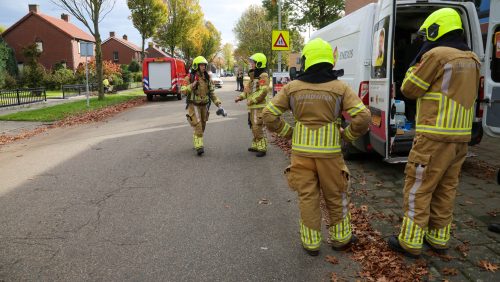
column 87, row 50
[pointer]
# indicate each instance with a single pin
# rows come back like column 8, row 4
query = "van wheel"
column 150, row 97
column 179, row 96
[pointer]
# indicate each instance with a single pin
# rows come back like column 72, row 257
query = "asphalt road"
column 128, row 199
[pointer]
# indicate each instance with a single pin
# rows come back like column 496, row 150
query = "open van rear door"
column 491, row 107
column 381, row 75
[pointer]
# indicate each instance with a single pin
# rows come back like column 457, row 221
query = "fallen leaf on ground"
column 463, row 249
column 450, row 271
column 332, row 259
column 488, row 266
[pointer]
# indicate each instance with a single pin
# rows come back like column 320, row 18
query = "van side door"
column 381, row 75
column 491, row 107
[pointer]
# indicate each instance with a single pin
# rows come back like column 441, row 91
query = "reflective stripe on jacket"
column 445, row 84
column 317, row 109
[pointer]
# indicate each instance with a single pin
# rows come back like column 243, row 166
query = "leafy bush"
column 116, row 79
column 138, row 77
column 61, row 77
column 10, row 82
column 108, row 68
column 127, row 76
column 134, row 66
column 34, row 75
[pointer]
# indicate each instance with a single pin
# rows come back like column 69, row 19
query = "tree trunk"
column 98, row 60
column 172, row 49
column 142, row 54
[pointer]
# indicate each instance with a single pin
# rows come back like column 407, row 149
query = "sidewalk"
column 17, row 127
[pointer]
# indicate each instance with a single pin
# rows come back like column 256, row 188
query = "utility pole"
column 279, row 28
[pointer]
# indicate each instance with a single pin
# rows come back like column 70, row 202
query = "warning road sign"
column 281, row 40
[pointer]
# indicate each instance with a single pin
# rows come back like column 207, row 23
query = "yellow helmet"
column 198, row 60
column 259, row 59
column 317, row 51
column 439, row 23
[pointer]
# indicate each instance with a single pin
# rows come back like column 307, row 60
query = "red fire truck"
column 162, row 76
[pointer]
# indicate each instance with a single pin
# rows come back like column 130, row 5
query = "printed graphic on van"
column 380, row 45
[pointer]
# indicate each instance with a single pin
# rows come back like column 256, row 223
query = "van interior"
column 406, row 47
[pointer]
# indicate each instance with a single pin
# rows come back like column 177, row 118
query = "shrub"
column 116, row 79
column 10, row 82
column 138, row 76
column 34, row 75
column 62, row 76
column 134, row 66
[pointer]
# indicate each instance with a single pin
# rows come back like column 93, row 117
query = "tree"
column 183, row 16
column 211, row 42
column 192, row 44
column 2, row 29
column 227, row 54
column 147, row 16
column 90, row 13
column 317, row 13
column 34, row 72
column 254, row 34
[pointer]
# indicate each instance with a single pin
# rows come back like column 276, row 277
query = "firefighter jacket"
column 200, row 90
column 317, row 109
column 256, row 92
column 445, row 85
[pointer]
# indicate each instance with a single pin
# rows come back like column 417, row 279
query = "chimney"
column 34, row 8
column 111, row 34
column 150, row 44
column 65, row 17
column 125, row 37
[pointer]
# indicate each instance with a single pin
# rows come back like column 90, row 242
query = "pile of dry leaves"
column 87, row 117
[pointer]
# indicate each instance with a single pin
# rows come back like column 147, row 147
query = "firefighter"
column 444, row 80
column 256, row 94
column 317, row 99
column 200, row 94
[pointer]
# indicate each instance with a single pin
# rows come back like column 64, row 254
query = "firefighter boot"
column 494, row 227
column 253, row 147
column 261, row 147
column 341, row 234
column 437, row 239
column 311, row 239
column 198, row 145
column 394, row 244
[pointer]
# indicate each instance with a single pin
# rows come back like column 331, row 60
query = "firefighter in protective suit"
column 444, row 80
column 317, row 99
column 256, row 94
column 200, row 94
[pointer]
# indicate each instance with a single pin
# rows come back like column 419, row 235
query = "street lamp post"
column 279, row 28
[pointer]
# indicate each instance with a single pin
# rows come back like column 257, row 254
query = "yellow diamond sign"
column 281, row 40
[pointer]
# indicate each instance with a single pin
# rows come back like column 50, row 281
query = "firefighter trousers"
column 432, row 177
column 307, row 176
column 197, row 117
column 259, row 141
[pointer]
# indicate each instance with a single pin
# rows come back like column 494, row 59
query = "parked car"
column 216, row 80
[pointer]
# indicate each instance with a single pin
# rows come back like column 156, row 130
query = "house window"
column 20, row 67
column 78, row 47
column 39, row 46
column 115, row 56
column 297, row 61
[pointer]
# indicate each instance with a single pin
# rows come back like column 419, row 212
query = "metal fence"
column 22, row 96
column 70, row 90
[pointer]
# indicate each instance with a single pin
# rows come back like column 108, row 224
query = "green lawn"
column 53, row 94
column 58, row 112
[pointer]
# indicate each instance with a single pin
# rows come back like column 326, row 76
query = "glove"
column 221, row 112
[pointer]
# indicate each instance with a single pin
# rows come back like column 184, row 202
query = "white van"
column 364, row 41
column 491, row 105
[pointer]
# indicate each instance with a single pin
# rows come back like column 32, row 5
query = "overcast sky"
column 223, row 13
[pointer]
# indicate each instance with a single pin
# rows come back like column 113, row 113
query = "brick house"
column 120, row 50
column 155, row 52
column 353, row 5
column 58, row 39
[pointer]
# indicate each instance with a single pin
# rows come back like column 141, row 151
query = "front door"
column 491, row 114
column 381, row 76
